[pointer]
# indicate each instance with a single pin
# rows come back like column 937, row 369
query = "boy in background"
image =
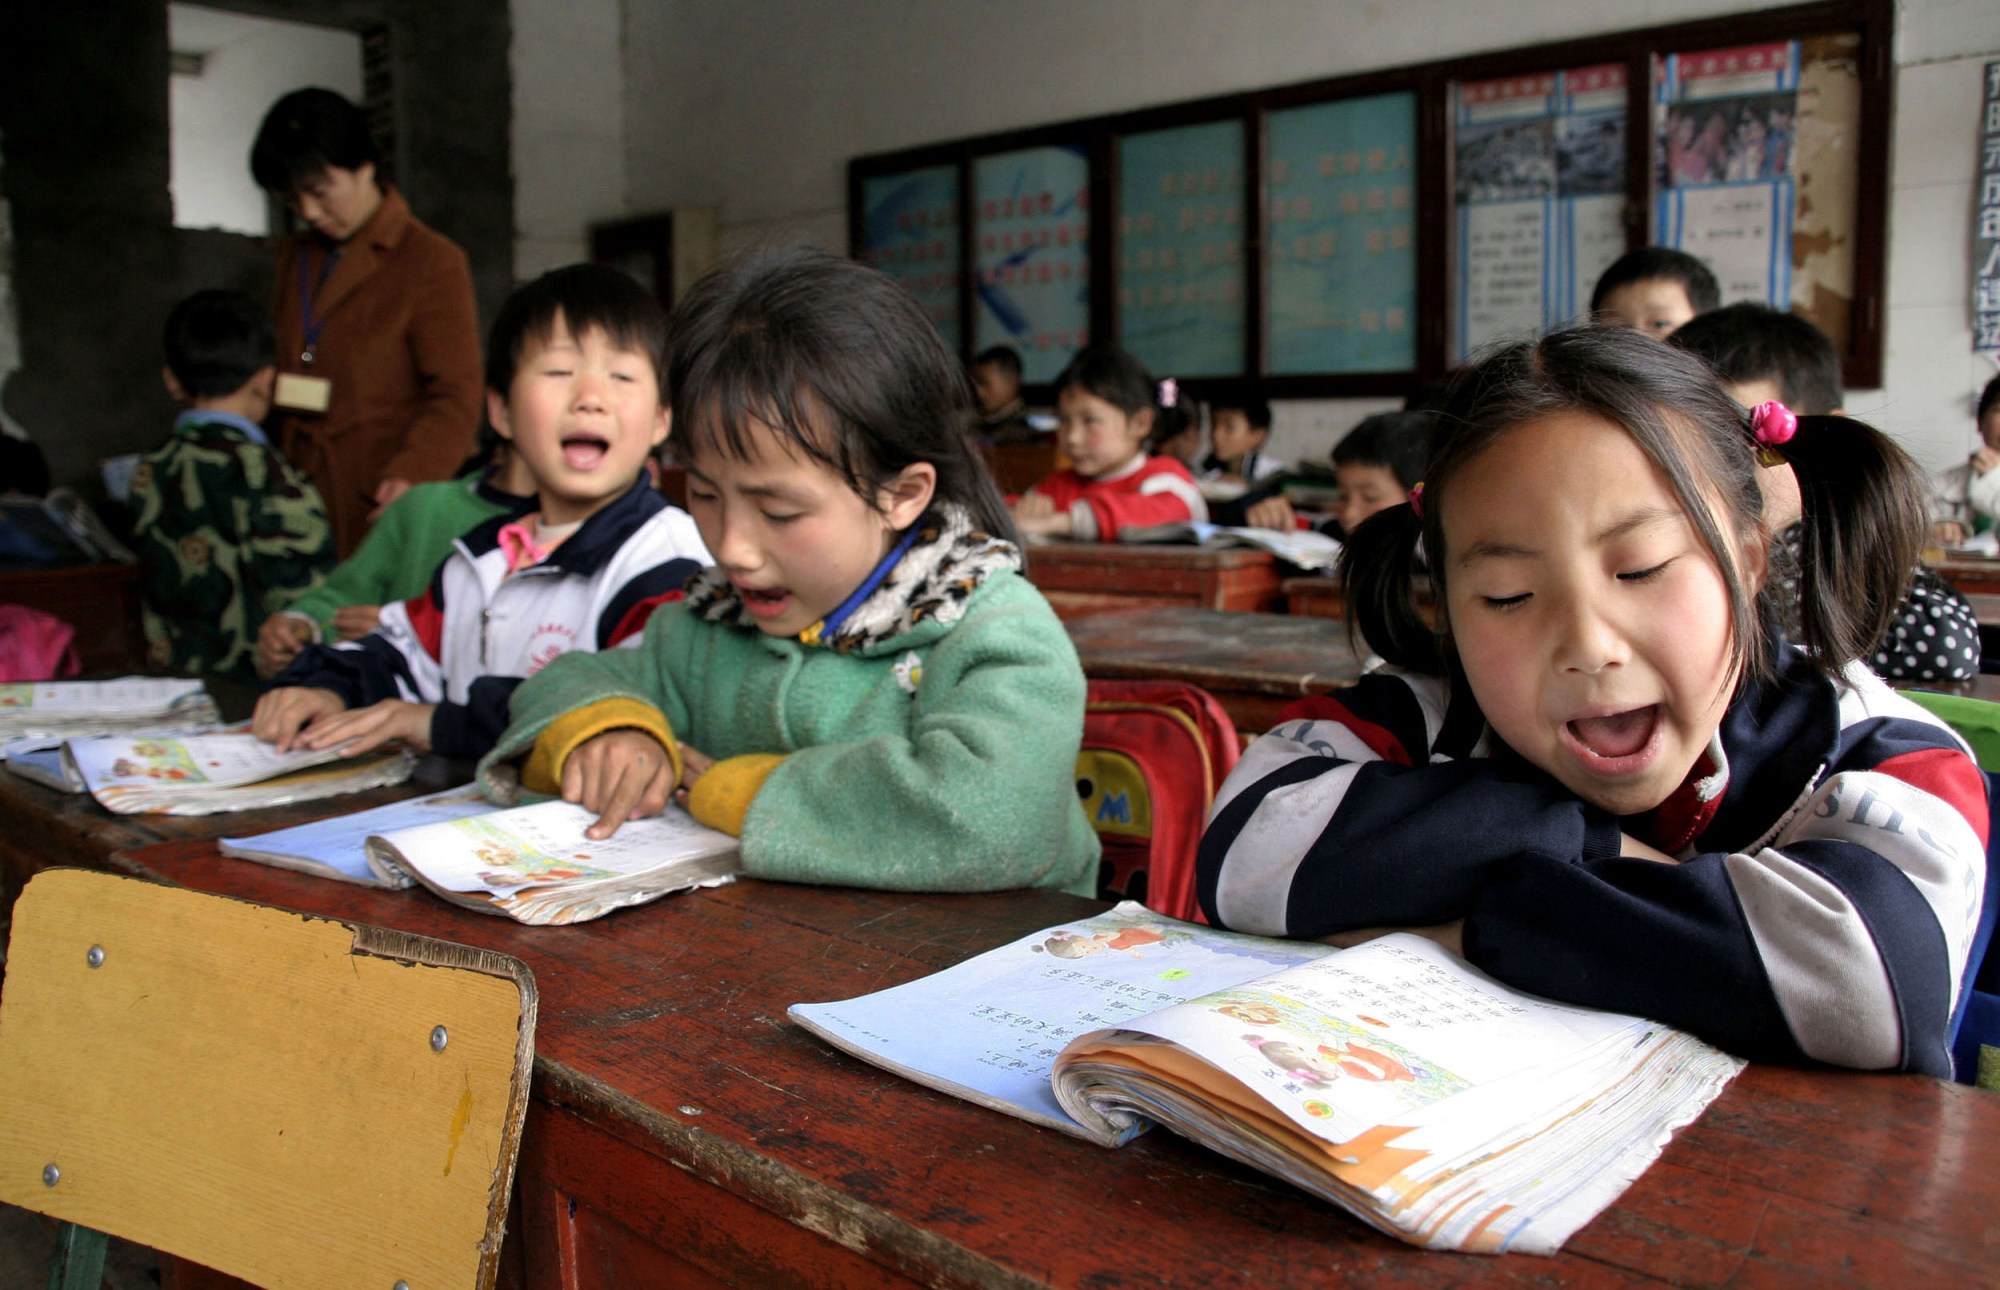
column 1375, row 465
column 227, row 531
column 1764, row 355
column 1654, row 289
column 1239, row 427
column 403, row 548
column 573, row 376
column 996, row 385
column 1966, row 498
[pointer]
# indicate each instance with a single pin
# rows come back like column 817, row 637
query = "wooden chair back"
column 290, row 1100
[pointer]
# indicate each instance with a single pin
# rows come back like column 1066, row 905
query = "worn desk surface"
column 1970, row 574
column 684, row 1131
column 1090, row 577
column 1254, row 664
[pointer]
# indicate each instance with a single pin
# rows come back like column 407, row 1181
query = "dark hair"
column 586, row 297
column 840, row 362
column 1112, row 375
column 216, row 341
column 1752, row 342
column 1989, row 398
column 1659, row 262
column 1256, row 409
column 304, row 133
column 1004, row 357
column 1865, row 518
column 1395, row 441
column 1170, row 423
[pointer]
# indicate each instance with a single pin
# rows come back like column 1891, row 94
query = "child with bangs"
column 864, row 689
column 573, row 384
column 1602, row 775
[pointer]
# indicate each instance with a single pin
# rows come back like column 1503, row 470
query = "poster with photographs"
column 1031, row 239
column 910, row 232
column 1727, row 119
column 1180, row 249
column 1538, row 166
column 1340, row 236
column 1986, row 225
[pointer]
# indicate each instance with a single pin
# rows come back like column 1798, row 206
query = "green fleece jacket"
column 941, row 757
column 405, row 547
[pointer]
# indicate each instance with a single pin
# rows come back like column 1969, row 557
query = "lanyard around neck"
column 307, row 290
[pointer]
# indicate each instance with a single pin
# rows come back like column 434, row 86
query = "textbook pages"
column 1394, row 1079
column 227, row 771
column 67, row 709
column 1305, row 548
column 534, row 864
column 337, row 847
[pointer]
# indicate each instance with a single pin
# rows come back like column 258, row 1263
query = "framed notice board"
column 1363, row 234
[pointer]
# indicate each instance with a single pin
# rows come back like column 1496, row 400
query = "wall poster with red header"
column 1538, row 199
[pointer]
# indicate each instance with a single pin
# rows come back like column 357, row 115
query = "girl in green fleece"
column 864, row 688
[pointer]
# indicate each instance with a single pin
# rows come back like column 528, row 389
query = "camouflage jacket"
column 227, row 533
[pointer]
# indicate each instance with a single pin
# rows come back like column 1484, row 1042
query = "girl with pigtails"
column 1595, row 768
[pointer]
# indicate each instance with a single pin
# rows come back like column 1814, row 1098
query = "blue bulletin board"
column 1340, row 239
column 1180, row 249
column 1031, row 234
column 910, row 232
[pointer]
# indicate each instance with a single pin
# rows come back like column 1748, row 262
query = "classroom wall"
column 97, row 261
column 569, row 127
column 756, row 109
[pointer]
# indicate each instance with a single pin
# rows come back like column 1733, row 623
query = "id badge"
column 300, row 393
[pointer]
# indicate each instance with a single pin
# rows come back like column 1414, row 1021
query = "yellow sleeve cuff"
column 722, row 796
column 542, row 773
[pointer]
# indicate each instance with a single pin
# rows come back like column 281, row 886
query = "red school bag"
column 1154, row 753
column 35, row 646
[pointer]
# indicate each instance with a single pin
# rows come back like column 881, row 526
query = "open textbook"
column 534, row 864
column 337, row 847
column 65, row 709
column 203, row 774
column 1394, row 1079
column 1305, row 548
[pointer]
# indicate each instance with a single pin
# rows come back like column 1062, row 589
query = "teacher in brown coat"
column 379, row 383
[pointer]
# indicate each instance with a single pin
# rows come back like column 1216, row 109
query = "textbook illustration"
column 231, row 770
column 534, row 864
column 338, row 847
column 69, row 709
column 1305, row 548
column 1394, row 1079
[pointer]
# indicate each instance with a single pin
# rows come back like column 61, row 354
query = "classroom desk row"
column 682, row 1132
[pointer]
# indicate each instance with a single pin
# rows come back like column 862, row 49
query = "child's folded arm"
column 979, row 795
column 542, row 772
column 1841, row 942
column 1343, row 817
column 1172, row 500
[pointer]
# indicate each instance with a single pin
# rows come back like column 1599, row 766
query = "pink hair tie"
column 1417, row 499
column 1170, row 392
column 1772, row 423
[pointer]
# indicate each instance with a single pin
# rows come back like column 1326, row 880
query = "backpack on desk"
column 1154, row 753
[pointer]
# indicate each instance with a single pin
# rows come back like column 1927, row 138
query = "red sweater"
column 1146, row 491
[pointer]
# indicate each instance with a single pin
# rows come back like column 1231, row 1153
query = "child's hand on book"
column 362, row 729
column 281, row 714
column 620, row 775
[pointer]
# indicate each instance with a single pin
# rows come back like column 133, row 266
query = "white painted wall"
column 755, row 108
column 249, row 63
column 569, row 64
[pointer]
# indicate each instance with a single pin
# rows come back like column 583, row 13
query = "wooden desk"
column 1090, row 577
column 1969, row 574
column 100, row 600
column 1254, row 664
column 682, row 1132
column 1314, row 596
